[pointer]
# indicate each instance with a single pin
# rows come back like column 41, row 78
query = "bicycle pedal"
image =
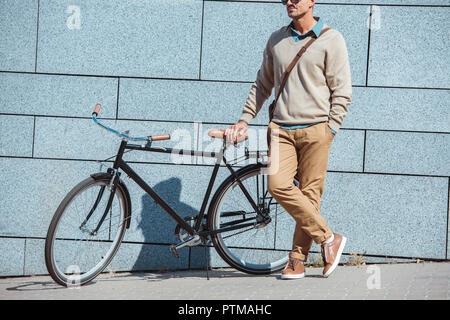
column 174, row 251
column 191, row 241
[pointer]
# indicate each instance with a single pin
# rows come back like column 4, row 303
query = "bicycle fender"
column 108, row 176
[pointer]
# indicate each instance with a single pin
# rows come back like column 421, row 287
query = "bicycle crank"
column 190, row 242
column 183, row 234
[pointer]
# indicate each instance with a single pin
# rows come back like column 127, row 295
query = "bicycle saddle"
column 220, row 133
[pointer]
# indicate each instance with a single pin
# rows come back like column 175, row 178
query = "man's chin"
column 294, row 15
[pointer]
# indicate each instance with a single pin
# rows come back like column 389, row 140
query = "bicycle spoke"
column 255, row 249
column 234, row 234
column 68, row 245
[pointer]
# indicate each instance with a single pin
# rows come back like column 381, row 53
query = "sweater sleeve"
column 338, row 76
column 261, row 89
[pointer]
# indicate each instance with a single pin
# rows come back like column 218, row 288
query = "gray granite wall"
column 186, row 66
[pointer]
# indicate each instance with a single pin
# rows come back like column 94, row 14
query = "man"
column 308, row 114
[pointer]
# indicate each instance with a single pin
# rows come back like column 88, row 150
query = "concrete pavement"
column 423, row 281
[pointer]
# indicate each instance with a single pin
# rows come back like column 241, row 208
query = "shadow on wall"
column 158, row 227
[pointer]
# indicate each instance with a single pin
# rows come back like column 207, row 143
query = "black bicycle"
column 243, row 221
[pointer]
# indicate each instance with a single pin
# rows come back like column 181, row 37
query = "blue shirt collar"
column 316, row 29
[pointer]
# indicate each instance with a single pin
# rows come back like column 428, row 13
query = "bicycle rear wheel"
column 258, row 248
column 74, row 255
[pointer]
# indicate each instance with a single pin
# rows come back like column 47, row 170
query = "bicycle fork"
column 112, row 189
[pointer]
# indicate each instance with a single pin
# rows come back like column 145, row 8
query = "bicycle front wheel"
column 257, row 248
column 74, row 253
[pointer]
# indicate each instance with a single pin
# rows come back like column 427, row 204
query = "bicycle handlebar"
column 124, row 135
column 97, row 109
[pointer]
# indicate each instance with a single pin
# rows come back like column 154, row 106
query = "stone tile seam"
column 338, row 3
column 37, row 37
column 201, row 41
column 208, row 165
column 350, row 254
column 212, row 247
column 123, row 242
column 198, row 126
column 205, row 122
column 34, row 132
column 448, row 223
column 364, row 152
column 24, row 255
column 117, row 99
column 368, row 45
column 163, row 244
column 390, row 174
column 195, row 79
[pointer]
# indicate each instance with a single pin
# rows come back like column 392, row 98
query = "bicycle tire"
column 252, row 253
column 59, row 234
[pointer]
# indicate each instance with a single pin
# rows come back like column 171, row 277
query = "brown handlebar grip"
column 220, row 133
column 216, row 133
column 160, row 137
column 97, row 108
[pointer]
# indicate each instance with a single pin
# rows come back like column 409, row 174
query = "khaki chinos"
column 304, row 152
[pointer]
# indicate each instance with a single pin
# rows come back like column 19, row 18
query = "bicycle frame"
column 119, row 163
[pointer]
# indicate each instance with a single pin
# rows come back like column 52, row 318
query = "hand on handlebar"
column 236, row 130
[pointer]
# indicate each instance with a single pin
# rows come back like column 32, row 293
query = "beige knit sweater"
column 318, row 88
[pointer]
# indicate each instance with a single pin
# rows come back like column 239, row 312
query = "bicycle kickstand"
column 207, row 261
